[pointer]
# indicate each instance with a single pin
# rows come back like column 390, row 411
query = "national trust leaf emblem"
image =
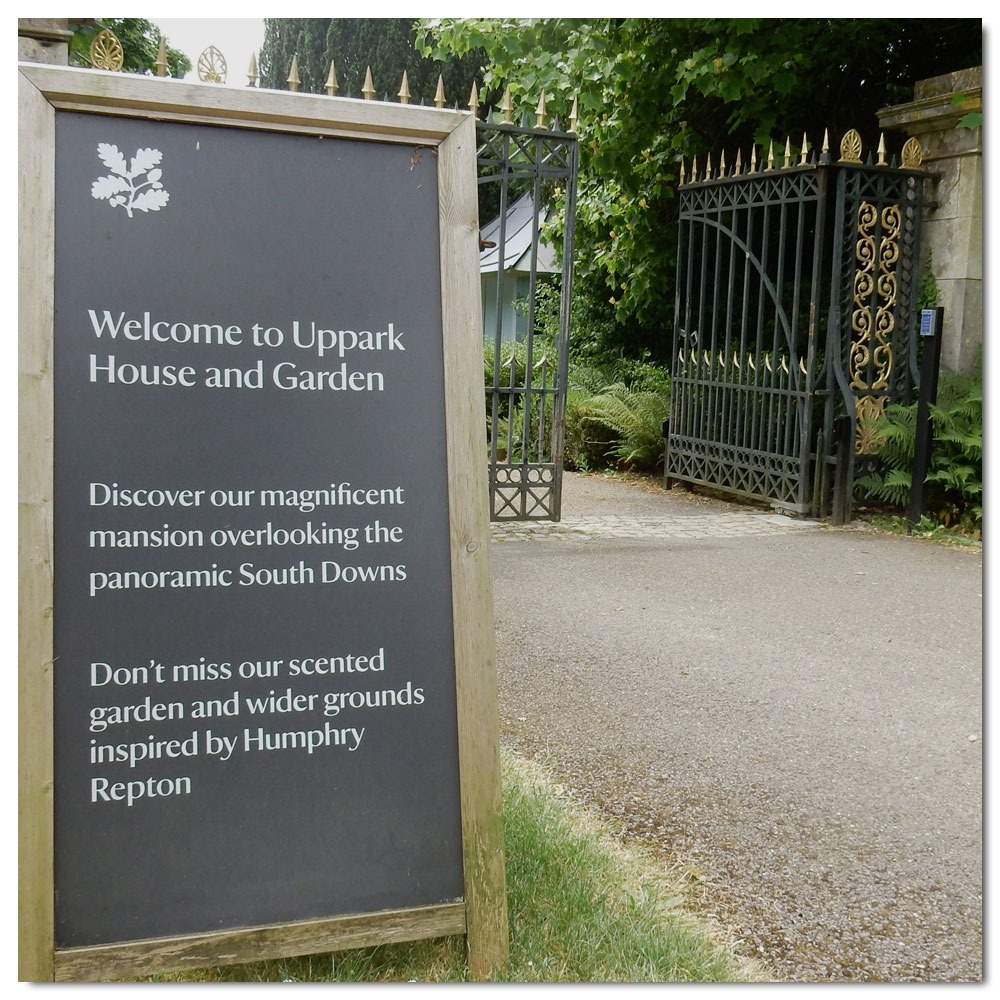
column 125, row 187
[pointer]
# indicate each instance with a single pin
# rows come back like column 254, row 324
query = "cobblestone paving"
column 716, row 525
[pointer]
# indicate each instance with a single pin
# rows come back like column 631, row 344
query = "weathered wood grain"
column 472, row 579
column 36, row 242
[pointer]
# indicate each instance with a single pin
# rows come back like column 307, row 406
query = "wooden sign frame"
column 481, row 915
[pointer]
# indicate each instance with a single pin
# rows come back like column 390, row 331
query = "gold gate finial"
column 212, row 66
column 753, row 158
column 574, row 115
column 332, row 86
column 507, row 106
column 106, row 52
column 293, row 75
column 881, row 150
column 439, row 93
column 805, row 150
column 368, row 90
column 851, row 147
column 252, row 73
column 788, row 151
column 161, row 58
column 540, row 112
column 474, row 100
column 913, row 154
column 770, row 155
column 404, row 90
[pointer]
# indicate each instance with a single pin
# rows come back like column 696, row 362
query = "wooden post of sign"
column 36, row 240
column 482, row 833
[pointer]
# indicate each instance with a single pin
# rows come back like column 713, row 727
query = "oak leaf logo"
column 124, row 186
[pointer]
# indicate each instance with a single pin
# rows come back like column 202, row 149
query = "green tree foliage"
column 654, row 90
column 385, row 44
column 140, row 41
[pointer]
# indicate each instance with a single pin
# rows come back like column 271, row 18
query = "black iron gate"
column 527, row 179
column 795, row 305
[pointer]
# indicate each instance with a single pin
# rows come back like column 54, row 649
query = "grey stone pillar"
column 43, row 40
column 953, row 229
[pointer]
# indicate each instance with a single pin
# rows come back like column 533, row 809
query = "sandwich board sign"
column 257, row 692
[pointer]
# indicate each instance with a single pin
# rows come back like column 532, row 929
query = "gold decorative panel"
column 875, row 285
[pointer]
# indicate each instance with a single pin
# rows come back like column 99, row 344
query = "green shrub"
column 955, row 479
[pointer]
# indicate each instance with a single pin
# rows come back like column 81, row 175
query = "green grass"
column 581, row 907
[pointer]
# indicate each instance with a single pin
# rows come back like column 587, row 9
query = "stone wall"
column 953, row 225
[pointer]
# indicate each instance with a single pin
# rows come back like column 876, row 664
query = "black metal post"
column 930, row 366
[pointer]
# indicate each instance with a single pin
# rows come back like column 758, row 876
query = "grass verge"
column 582, row 908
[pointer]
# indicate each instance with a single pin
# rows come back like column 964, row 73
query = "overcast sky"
column 234, row 37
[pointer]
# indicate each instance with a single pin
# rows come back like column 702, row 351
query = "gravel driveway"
column 790, row 711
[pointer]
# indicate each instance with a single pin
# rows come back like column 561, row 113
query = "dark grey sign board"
column 254, row 671
column 254, row 699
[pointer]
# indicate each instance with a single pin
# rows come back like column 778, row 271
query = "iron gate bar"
column 526, row 478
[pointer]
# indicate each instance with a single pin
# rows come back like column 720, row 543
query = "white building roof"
column 517, row 241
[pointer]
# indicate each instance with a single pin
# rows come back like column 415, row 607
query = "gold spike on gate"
column 474, row 100
column 826, row 141
column 784, row 364
column 404, row 90
column 574, row 116
column 707, row 358
column 770, row 155
column 802, row 366
column 161, row 58
column 682, row 173
column 708, row 167
column 805, row 150
column 753, row 158
column 507, row 107
column 252, row 74
column 767, row 362
column 540, row 112
column 788, row 151
column 881, row 150
column 739, row 164
column 368, row 90
column 680, row 356
column 736, row 362
column 722, row 164
column 293, row 75
column 439, row 93
column 332, row 84
column 750, row 361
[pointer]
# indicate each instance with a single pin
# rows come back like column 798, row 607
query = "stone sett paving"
column 728, row 524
